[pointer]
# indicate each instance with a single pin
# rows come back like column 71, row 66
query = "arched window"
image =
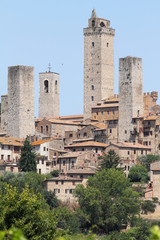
column 93, row 23
column 92, row 87
column 41, row 129
column 46, row 86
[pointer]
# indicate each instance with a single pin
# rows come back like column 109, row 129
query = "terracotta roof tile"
column 40, row 142
column 87, row 144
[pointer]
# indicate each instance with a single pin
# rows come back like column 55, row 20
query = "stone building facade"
column 20, row 101
column 48, row 94
column 98, row 62
column 130, row 95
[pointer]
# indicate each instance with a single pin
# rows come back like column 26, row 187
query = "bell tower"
column 48, row 94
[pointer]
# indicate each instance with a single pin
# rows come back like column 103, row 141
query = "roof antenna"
column 49, row 67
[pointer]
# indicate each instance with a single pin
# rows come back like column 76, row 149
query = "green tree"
column 28, row 212
column 109, row 160
column 138, row 173
column 147, row 160
column 28, row 158
column 55, row 173
column 108, row 200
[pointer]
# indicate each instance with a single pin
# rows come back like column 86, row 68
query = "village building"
column 63, row 187
column 97, row 147
column 128, row 150
column 77, row 159
column 10, row 149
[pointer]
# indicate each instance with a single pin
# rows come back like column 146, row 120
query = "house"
column 10, row 149
column 76, row 159
column 97, row 147
column 63, row 187
column 129, row 150
column 41, row 147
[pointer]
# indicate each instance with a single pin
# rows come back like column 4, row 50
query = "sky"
column 39, row 32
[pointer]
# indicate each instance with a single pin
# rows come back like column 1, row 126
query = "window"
column 141, row 151
column 44, row 149
column 16, row 149
column 62, row 182
column 47, row 149
column 9, row 157
column 37, row 161
column 39, row 171
column 72, row 163
column 67, row 190
column 110, row 130
column 128, row 152
column 113, row 112
column 41, row 129
column 56, row 190
column 92, row 44
column 46, row 86
column 151, row 133
column 71, row 191
column 2, row 146
column 64, row 163
column 12, row 169
column 92, row 87
column 2, row 157
column 108, row 112
column 82, row 149
column 110, row 121
column 102, row 24
column 84, row 134
column 9, row 147
column 96, row 150
column 56, row 86
column 102, row 113
column 93, row 23
column 73, row 183
column 70, row 135
column 92, row 98
column 42, row 161
column 56, row 182
column 46, row 129
column 107, row 44
column 134, row 151
column 125, row 167
column 149, row 142
column 125, row 131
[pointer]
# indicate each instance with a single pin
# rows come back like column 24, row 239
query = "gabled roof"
column 40, row 142
column 87, row 144
column 131, row 145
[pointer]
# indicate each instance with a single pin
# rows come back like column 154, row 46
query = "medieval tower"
column 130, row 95
column 20, row 101
column 49, row 94
column 98, row 62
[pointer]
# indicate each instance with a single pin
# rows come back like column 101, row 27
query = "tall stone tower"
column 20, row 101
column 4, row 112
column 98, row 62
column 130, row 95
column 49, row 94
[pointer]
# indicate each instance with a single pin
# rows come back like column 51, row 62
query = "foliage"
column 28, row 158
column 147, row 160
column 27, row 212
column 155, row 233
column 148, row 206
column 108, row 201
column 67, row 220
column 51, row 199
column 54, row 173
column 34, row 181
column 138, row 173
column 109, row 160
column 12, row 234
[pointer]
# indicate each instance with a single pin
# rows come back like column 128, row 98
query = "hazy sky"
column 38, row 32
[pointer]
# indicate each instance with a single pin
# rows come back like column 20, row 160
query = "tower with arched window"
column 49, row 94
column 98, row 62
